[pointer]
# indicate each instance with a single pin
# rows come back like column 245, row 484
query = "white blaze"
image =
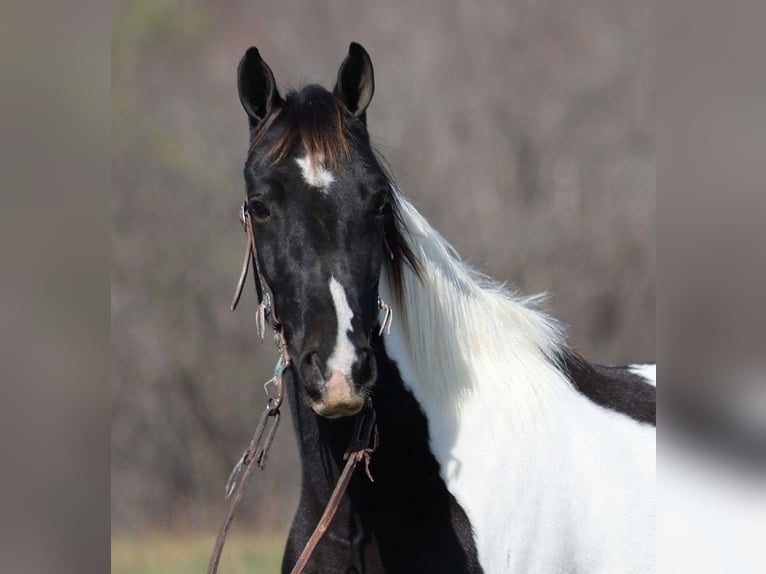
column 343, row 356
column 314, row 172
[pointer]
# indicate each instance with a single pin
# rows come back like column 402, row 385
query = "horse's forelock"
column 311, row 118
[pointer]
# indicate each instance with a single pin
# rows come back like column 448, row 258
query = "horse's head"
column 324, row 221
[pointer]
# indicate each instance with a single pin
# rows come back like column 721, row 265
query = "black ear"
column 257, row 89
column 356, row 82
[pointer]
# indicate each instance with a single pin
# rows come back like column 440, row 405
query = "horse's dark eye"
column 380, row 209
column 258, row 210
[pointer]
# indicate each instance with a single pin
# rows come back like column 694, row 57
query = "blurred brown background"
column 524, row 131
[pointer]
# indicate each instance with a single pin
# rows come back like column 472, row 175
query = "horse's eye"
column 380, row 208
column 258, row 210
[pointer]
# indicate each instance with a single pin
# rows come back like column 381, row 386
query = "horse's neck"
column 402, row 455
column 321, row 443
column 408, row 500
column 511, row 434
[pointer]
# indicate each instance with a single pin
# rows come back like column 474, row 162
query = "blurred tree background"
column 523, row 130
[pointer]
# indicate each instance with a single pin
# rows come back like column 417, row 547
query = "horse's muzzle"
column 339, row 398
column 339, row 395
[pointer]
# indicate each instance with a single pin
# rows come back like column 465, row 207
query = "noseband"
column 363, row 441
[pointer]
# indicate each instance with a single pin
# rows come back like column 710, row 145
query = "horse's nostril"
column 311, row 366
column 365, row 369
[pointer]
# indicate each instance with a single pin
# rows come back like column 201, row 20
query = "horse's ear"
column 356, row 82
column 257, row 89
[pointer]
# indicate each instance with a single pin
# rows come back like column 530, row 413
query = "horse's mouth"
column 339, row 398
column 338, row 411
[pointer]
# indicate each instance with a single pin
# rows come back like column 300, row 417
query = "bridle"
column 264, row 312
column 364, row 439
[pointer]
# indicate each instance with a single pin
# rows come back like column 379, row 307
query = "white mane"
column 550, row 481
column 465, row 330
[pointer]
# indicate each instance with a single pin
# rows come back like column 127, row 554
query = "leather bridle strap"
column 358, row 450
column 255, row 455
column 264, row 313
column 258, row 450
column 363, row 443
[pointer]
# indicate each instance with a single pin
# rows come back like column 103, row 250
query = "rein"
column 358, row 450
column 257, row 451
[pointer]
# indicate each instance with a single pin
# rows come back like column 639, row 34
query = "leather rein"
column 364, row 439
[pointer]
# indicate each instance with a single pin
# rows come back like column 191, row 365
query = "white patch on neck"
column 543, row 474
column 343, row 356
column 647, row 371
column 314, row 172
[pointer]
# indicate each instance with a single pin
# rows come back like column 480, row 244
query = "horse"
column 500, row 448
